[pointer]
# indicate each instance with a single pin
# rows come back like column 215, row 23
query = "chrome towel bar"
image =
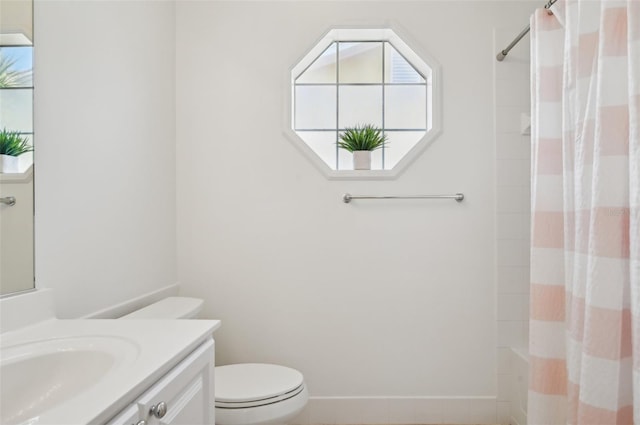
column 9, row 200
column 347, row 197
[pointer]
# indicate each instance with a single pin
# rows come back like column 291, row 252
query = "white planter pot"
column 9, row 164
column 361, row 160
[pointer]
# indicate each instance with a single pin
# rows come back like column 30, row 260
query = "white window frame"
column 423, row 62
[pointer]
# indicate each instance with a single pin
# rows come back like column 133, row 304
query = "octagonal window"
column 363, row 77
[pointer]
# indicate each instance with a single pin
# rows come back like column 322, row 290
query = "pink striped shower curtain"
column 585, row 243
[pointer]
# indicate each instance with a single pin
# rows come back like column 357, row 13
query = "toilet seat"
column 259, row 403
column 246, row 385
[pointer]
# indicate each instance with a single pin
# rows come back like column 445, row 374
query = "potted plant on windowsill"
column 12, row 145
column 361, row 140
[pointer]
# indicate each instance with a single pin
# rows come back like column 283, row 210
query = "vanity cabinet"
column 184, row 396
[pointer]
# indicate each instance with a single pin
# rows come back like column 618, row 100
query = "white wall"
column 105, row 154
column 371, row 299
column 16, row 17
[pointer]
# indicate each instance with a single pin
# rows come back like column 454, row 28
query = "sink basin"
column 39, row 376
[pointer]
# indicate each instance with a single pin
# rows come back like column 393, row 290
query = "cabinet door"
column 187, row 391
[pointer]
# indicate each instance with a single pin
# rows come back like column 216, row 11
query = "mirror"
column 16, row 124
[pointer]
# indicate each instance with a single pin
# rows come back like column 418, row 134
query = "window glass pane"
column 405, row 107
column 315, row 107
column 345, row 160
column 430, row 108
column 399, row 143
column 322, row 70
column 26, row 159
column 323, row 143
column 360, row 105
column 397, row 70
column 360, row 62
column 16, row 65
column 376, row 159
column 15, row 110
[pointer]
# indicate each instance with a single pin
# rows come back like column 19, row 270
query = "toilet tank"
column 169, row 308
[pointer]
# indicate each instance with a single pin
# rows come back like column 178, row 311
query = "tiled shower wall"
column 513, row 155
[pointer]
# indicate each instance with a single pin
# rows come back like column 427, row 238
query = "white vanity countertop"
column 147, row 349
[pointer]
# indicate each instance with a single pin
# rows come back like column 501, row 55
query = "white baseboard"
column 128, row 306
column 397, row 410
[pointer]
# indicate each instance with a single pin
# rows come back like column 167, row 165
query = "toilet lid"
column 249, row 382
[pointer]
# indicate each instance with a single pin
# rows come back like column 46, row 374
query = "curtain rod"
column 503, row 53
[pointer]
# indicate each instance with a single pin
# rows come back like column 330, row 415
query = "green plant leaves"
column 365, row 137
column 10, row 77
column 12, row 143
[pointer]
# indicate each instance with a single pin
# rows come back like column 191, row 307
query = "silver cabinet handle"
column 142, row 422
column 8, row 200
column 159, row 410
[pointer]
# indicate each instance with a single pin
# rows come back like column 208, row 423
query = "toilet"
column 245, row 393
